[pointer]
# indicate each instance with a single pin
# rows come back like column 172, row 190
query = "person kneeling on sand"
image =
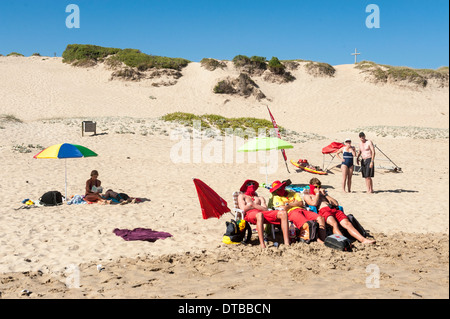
column 292, row 203
column 256, row 212
column 122, row 198
column 328, row 209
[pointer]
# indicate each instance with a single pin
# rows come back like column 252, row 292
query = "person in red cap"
column 292, row 203
column 328, row 208
column 256, row 212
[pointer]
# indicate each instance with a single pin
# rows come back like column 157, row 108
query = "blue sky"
column 412, row 33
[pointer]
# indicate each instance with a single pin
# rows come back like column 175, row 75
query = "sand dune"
column 316, row 104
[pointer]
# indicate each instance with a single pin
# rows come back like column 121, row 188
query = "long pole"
column 267, row 174
column 287, row 167
column 386, row 156
column 65, row 164
column 275, row 126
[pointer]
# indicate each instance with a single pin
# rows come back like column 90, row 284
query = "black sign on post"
column 88, row 127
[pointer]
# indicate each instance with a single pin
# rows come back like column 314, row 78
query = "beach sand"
column 53, row 252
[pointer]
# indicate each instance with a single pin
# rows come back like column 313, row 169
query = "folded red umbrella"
column 332, row 148
column 213, row 206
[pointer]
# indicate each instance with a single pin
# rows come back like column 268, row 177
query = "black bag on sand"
column 338, row 242
column 52, row 198
column 308, row 232
column 357, row 226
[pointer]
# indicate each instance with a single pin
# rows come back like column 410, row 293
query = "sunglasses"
column 317, row 186
column 250, row 183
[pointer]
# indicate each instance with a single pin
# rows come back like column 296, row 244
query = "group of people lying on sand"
column 94, row 193
column 289, row 206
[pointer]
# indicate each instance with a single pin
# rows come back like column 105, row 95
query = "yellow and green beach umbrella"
column 265, row 143
column 65, row 151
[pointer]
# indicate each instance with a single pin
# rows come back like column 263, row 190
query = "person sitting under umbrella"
column 292, row 203
column 93, row 195
column 256, row 212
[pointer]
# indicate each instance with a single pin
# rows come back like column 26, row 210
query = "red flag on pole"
column 275, row 126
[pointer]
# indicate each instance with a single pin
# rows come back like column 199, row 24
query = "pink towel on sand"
column 141, row 234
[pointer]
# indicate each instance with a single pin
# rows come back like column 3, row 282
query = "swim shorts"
column 270, row 216
column 326, row 212
column 122, row 196
column 365, row 168
column 300, row 216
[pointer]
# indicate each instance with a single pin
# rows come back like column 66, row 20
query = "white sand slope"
column 308, row 104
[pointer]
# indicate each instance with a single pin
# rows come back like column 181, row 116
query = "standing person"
column 93, row 196
column 257, row 213
column 328, row 209
column 348, row 152
column 367, row 152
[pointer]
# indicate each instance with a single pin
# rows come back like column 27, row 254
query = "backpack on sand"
column 308, row 232
column 236, row 232
column 52, row 198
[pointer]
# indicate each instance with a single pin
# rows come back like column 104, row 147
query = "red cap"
column 244, row 186
column 276, row 186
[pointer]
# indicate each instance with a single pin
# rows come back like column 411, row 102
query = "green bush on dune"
column 15, row 54
column 224, row 87
column 443, row 69
column 221, row 123
column 142, row 61
column 77, row 52
column 383, row 73
column 406, row 74
column 212, row 64
column 86, row 54
column 256, row 65
column 312, row 67
column 320, row 69
column 243, row 85
column 184, row 119
column 276, row 66
column 441, row 73
column 253, row 64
